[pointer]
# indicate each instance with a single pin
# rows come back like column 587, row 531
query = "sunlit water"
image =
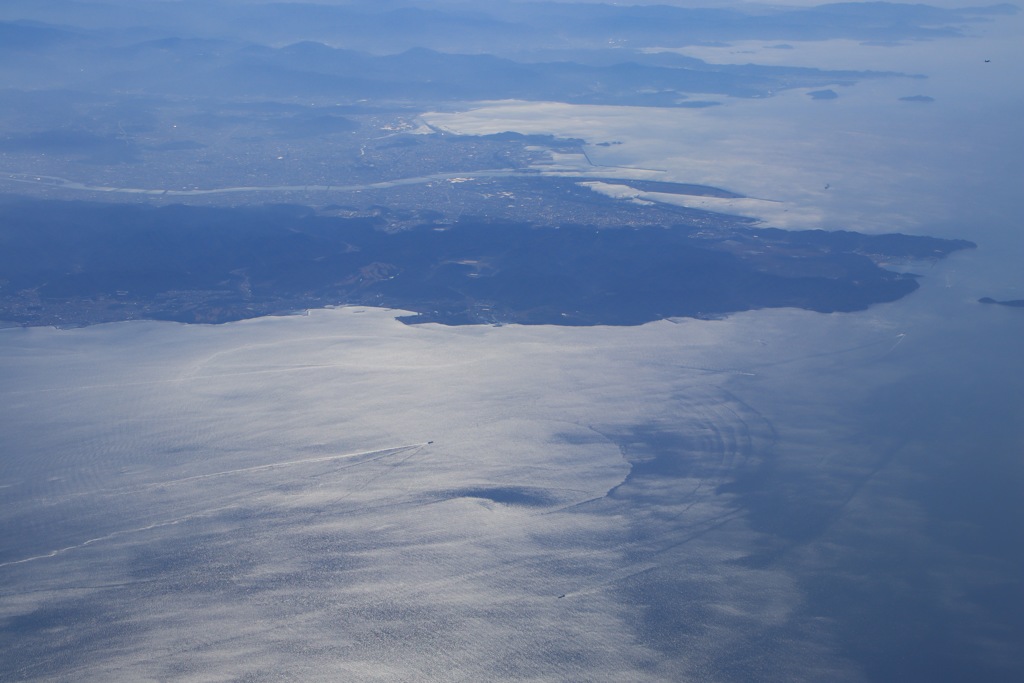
column 781, row 495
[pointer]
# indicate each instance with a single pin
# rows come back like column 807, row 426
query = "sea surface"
column 778, row 495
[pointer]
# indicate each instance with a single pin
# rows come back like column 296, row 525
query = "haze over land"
column 554, row 341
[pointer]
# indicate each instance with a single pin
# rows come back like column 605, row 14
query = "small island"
column 1014, row 303
column 823, row 94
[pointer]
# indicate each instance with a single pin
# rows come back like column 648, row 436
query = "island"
column 1013, row 303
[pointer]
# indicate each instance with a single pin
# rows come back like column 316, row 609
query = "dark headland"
column 77, row 263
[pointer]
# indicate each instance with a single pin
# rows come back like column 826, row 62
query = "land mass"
column 1015, row 303
column 70, row 263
